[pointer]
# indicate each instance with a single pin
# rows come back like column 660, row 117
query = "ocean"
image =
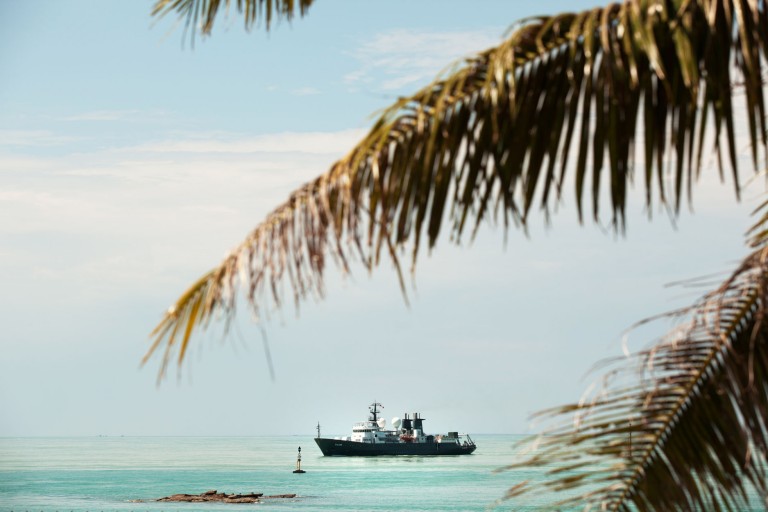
column 105, row 474
column 111, row 473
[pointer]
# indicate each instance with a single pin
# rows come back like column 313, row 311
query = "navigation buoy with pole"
column 298, row 463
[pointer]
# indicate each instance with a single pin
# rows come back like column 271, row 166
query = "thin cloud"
column 117, row 115
column 237, row 177
column 400, row 58
column 102, row 115
column 305, row 91
column 287, row 142
column 9, row 138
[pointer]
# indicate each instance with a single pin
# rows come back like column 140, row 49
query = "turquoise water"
column 107, row 473
column 111, row 473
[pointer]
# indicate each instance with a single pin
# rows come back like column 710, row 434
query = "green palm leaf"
column 690, row 433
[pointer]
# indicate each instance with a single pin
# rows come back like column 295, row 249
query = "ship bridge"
column 366, row 426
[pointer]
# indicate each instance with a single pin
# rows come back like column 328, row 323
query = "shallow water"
column 106, row 473
column 110, row 473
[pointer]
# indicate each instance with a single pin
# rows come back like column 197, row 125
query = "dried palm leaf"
column 496, row 135
column 689, row 433
column 200, row 14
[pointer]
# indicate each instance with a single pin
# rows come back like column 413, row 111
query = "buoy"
column 298, row 463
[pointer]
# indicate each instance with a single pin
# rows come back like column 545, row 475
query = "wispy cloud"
column 115, row 115
column 396, row 59
column 102, row 115
column 200, row 176
column 287, row 142
column 305, row 91
column 208, row 189
column 34, row 138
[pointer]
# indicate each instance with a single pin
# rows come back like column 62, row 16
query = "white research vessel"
column 406, row 437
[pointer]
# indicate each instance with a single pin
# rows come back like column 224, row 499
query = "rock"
column 241, row 500
column 221, row 497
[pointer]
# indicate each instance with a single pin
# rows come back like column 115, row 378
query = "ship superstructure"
column 406, row 437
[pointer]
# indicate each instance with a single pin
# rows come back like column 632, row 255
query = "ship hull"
column 340, row 448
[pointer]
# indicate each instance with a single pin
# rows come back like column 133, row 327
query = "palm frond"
column 201, row 14
column 690, row 433
column 494, row 138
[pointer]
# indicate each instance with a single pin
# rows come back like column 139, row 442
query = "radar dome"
column 396, row 422
column 382, row 422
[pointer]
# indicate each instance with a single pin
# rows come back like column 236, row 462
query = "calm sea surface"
column 107, row 473
column 111, row 473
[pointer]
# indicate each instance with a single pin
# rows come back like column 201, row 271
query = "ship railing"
column 366, row 424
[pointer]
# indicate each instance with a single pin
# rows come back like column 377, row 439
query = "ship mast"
column 374, row 410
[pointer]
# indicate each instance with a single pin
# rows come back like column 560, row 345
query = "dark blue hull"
column 339, row 448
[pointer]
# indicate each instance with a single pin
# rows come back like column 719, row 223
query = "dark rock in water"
column 241, row 500
column 222, row 497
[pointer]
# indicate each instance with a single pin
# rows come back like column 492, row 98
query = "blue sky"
column 131, row 163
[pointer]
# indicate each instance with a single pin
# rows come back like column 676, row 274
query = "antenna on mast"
column 374, row 411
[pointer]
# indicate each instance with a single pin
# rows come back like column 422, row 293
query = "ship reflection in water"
column 407, row 437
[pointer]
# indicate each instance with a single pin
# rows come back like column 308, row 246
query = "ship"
column 406, row 437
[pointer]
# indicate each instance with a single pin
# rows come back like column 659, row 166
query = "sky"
column 132, row 162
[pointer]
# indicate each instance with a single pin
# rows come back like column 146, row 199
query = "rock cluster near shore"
column 221, row 497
